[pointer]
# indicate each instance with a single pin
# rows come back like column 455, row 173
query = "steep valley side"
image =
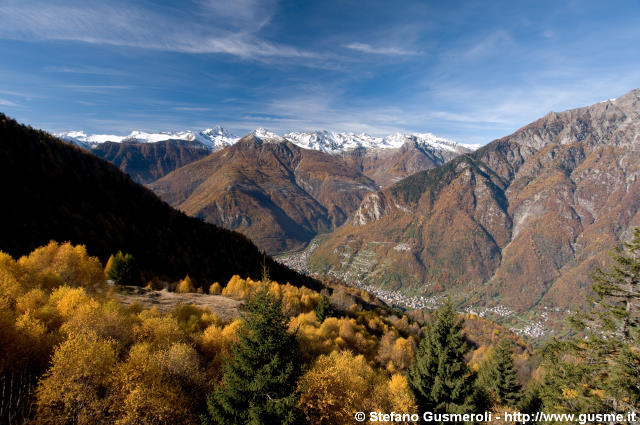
column 519, row 224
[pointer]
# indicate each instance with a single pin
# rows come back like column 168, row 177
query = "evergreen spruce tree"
column 123, row 269
column 323, row 309
column 440, row 378
column 498, row 376
column 531, row 402
column 598, row 372
column 617, row 294
column 260, row 378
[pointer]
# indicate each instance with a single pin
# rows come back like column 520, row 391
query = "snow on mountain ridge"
column 84, row 139
column 326, row 141
column 333, row 142
column 213, row 138
column 265, row 135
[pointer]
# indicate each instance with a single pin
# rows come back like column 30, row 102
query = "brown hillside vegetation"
column 280, row 195
column 520, row 222
column 276, row 193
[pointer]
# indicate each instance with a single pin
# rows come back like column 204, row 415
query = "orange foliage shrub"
column 340, row 384
column 72, row 390
column 70, row 264
column 294, row 300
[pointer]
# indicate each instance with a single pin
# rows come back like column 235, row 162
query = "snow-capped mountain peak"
column 266, row 136
column 428, row 141
column 216, row 138
column 143, row 137
column 82, row 139
column 333, row 142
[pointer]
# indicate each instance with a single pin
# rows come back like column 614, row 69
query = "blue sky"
column 469, row 70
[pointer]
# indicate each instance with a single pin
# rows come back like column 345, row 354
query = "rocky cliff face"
column 520, row 222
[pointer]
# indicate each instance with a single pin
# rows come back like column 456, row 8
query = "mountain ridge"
column 278, row 194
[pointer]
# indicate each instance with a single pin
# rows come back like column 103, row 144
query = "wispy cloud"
column 4, row 102
column 95, row 88
column 86, row 70
column 492, row 43
column 191, row 109
column 391, row 51
column 238, row 45
column 129, row 26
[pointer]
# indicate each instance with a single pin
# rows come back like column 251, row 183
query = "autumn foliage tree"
column 185, row 286
column 73, row 389
column 157, row 385
column 340, row 384
column 69, row 263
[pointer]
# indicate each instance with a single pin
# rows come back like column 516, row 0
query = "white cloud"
column 239, row 45
column 391, row 51
column 95, row 88
column 191, row 109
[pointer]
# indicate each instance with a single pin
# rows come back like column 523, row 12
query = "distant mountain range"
column 281, row 195
column 280, row 191
column 147, row 162
column 325, row 141
column 275, row 192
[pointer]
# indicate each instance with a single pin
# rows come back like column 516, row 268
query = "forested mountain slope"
column 520, row 222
